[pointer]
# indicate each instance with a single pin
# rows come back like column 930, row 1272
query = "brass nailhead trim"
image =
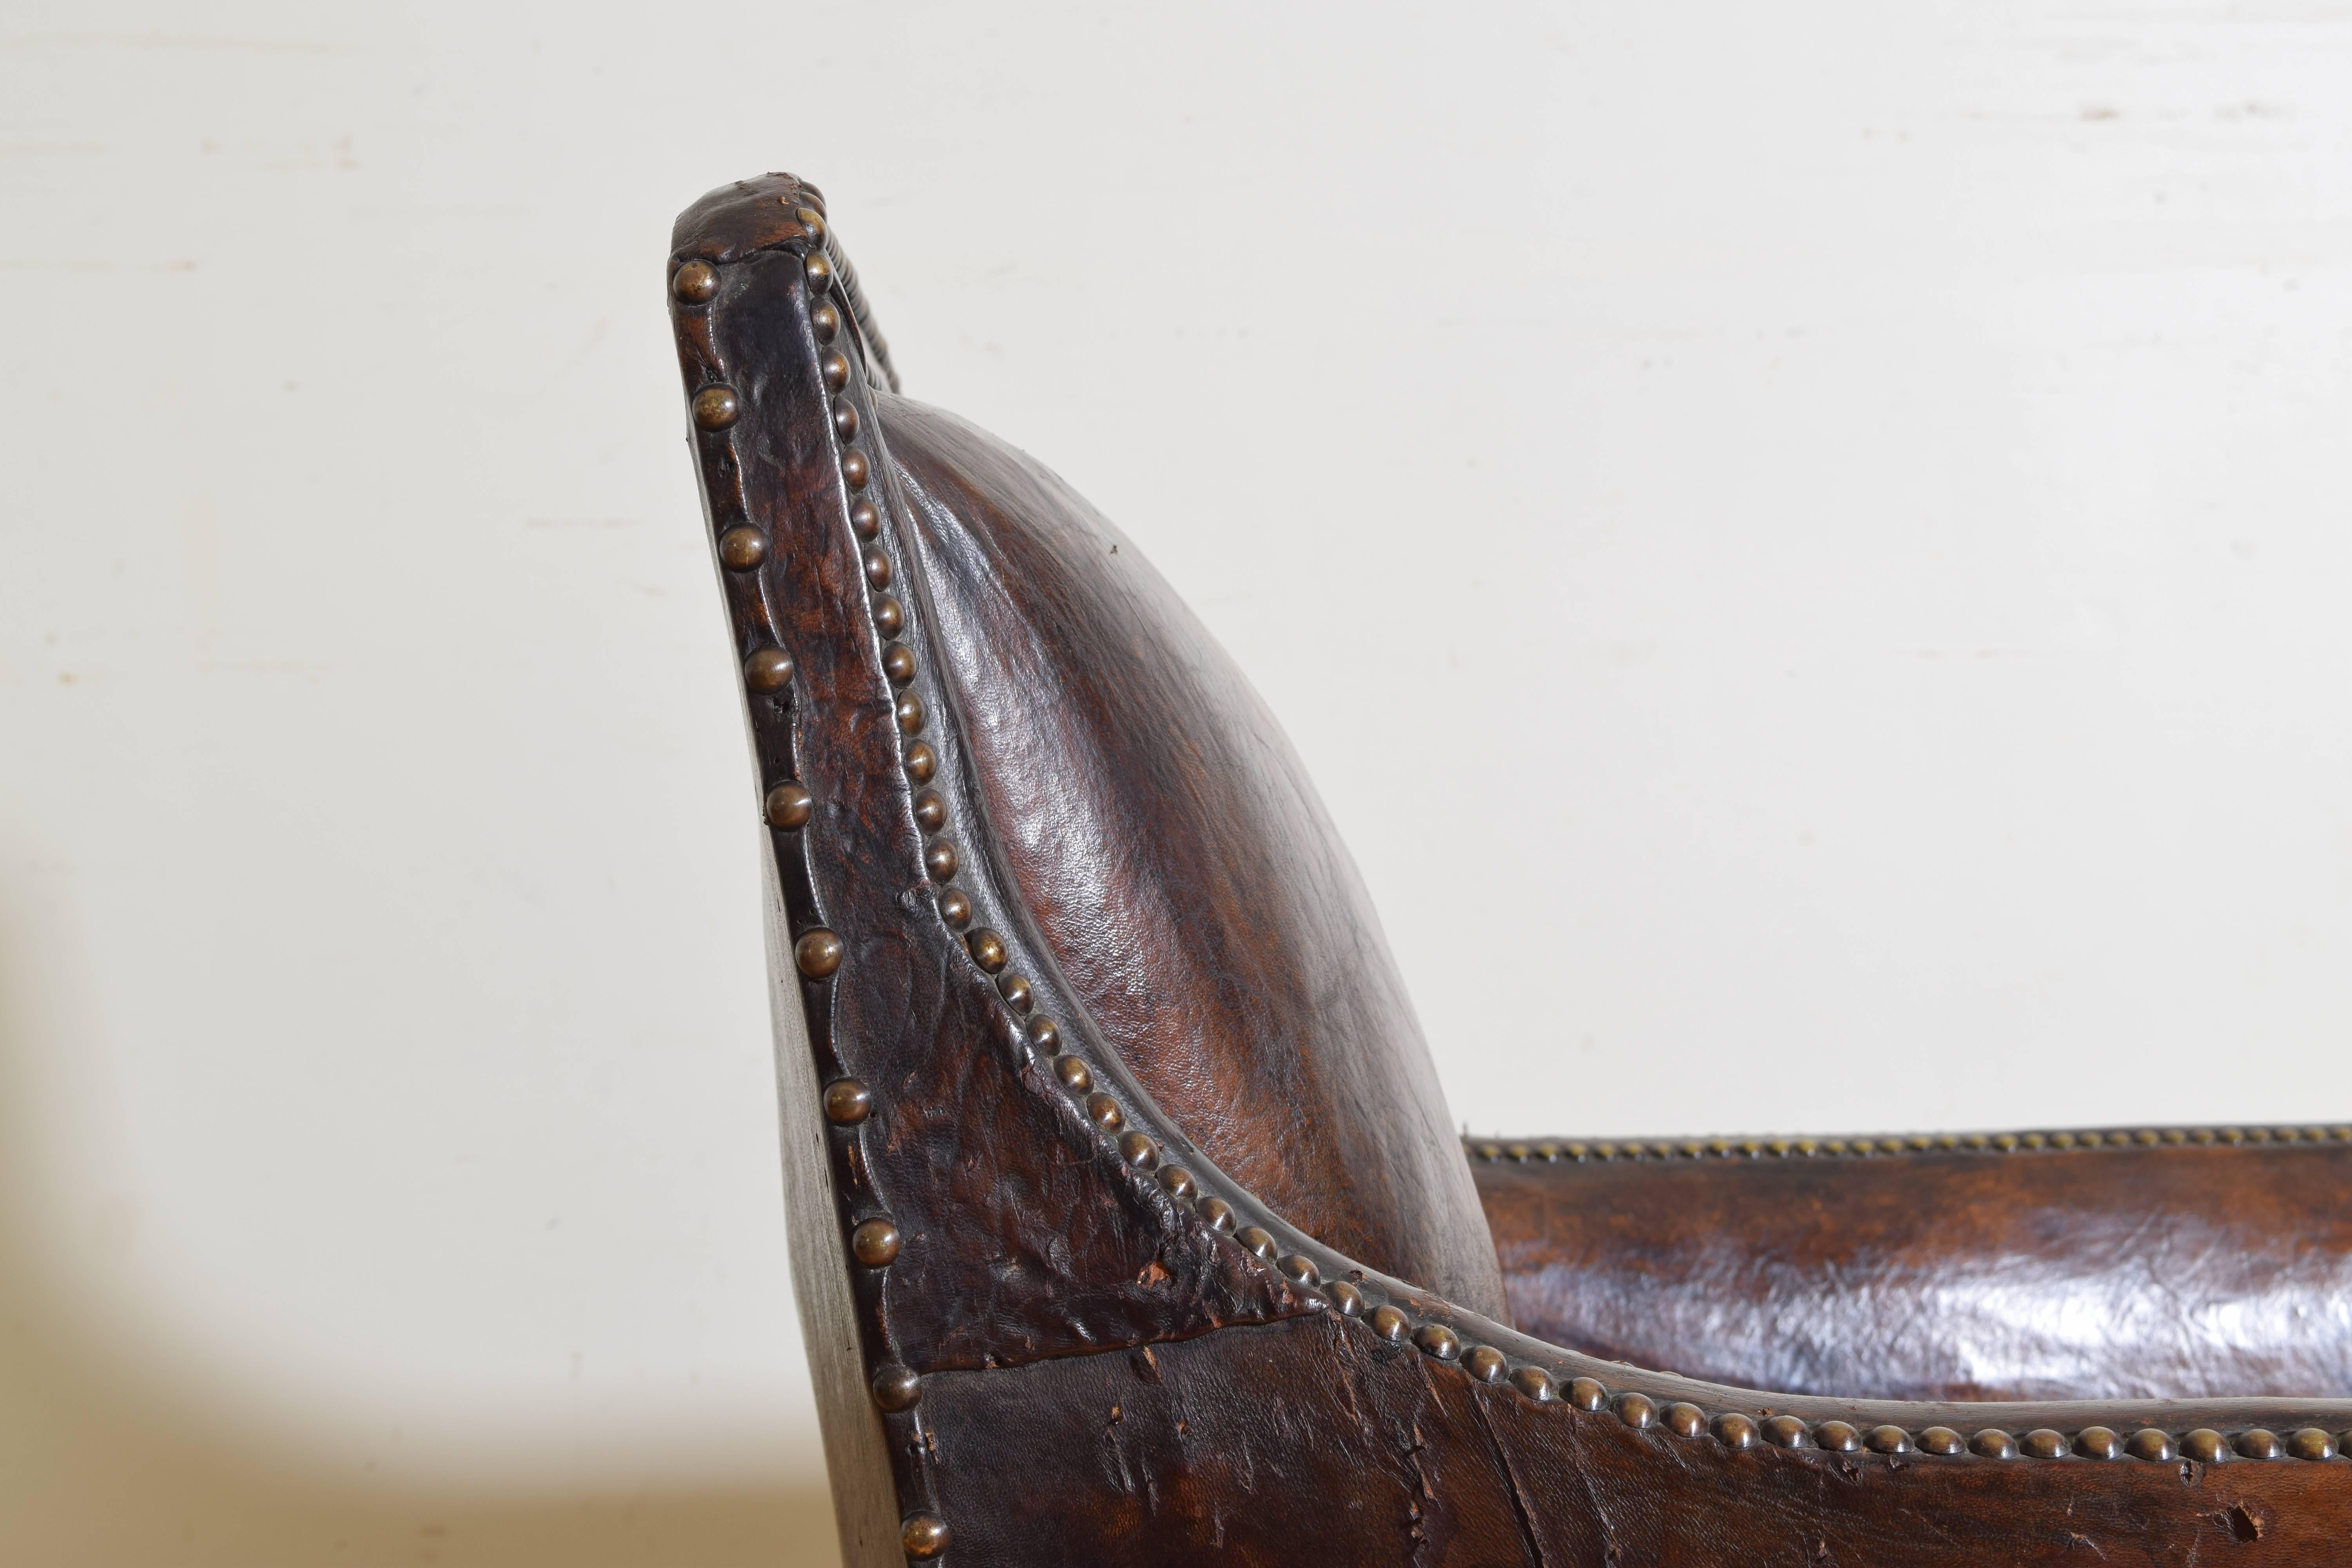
column 818, row 953
column 789, row 808
column 768, row 671
column 923, row 1536
column 695, row 282
column 742, row 548
column 847, row 1102
column 1553, row 1151
column 716, row 408
column 896, row 1388
column 875, row 1243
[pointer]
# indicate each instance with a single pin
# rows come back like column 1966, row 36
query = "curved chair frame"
column 1046, row 1329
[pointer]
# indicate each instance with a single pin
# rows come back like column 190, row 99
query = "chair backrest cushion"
column 1175, row 858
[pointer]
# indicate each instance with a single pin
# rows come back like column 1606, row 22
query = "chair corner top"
column 757, row 214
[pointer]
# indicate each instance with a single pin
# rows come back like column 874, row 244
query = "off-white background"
column 1806, row 546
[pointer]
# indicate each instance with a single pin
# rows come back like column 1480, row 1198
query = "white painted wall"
column 1806, row 545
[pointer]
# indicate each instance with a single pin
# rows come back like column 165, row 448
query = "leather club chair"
column 1127, row 1221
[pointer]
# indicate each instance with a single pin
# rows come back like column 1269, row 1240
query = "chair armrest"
column 2117, row 1265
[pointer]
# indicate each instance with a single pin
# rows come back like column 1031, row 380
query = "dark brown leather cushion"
column 1176, row 859
column 2107, row 1273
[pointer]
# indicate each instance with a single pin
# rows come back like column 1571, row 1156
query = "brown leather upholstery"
column 1092, row 1070
column 2131, row 1268
column 1179, row 867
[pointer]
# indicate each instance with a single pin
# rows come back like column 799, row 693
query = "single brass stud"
column 2099, row 1443
column 847, row 1102
column 845, row 421
column 1016, row 992
column 811, row 224
column 987, row 949
column 1253, row 1237
column 923, row 1536
column 1437, row 1342
column 1215, row 1212
column 895, row 1387
column 1388, row 1322
column 2205, row 1446
column 1838, row 1437
column 1735, row 1431
column 1636, row 1411
column 716, row 408
column 875, row 1243
column 877, row 569
column 1345, row 1298
column 867, row 522
column 939, row 860
column 790, row 807
column 1888, row 1441
column 694, row 283
column 1993, row 1444
column 921, row 760
column 854, row 468
column 930, row 811
column 1684, row 1419
column 1941, row 1440
column 1536, row 1384
column 834, row 365
column 1485, row 1363
column 1787, row 1432
column 1586, row 1393
column 819, row 273
column 1138, row 1150
column 1104, row 1112
column 2260, row 1444
column 909, row 711
column 818, row 953
column 768, row 671
column 954, row 908
column 742, row 548
column 2147, row 1443
column 1045, row 1034
column 2042, row 1443
column 898, row 663
column 827, row 322
column 1177, row 1180
column 2311, row 1443
column 1076, row 1076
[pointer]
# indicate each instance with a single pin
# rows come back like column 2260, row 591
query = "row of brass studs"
column 788, row 806
column 1552, row 1151
column 1735, row 1430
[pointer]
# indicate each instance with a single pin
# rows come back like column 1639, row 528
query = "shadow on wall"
column 99, row 1471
